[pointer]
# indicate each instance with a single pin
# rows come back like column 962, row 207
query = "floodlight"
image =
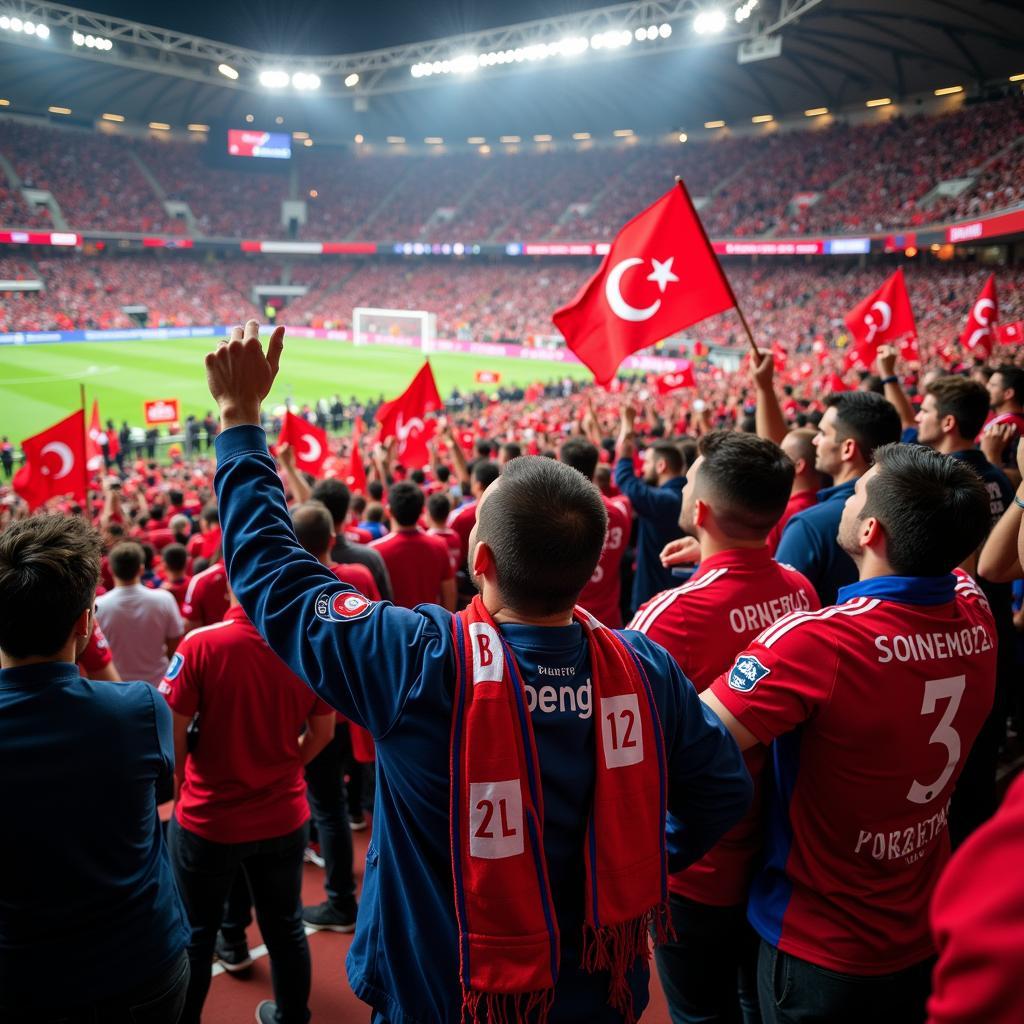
column 273, row 78
column 709, row 22
column 227, row 71
column 351, row 80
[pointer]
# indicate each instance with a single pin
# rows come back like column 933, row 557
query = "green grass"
column 39, row 383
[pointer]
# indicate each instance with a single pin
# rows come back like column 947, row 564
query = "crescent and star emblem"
column 661, row 276
column 67, row 458
column 885, row 310
column 314, row 449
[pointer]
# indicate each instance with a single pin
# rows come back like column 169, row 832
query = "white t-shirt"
column 136, row 622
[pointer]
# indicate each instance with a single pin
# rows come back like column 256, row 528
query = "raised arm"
column 297, row 484
column 769, row 421
column 893, row 390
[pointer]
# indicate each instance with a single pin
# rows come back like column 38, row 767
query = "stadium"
column 712, row 254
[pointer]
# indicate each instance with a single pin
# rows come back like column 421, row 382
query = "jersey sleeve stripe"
column 775, row 633
column 190, row 589
column 642, row 621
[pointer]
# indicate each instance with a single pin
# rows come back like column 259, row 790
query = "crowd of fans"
column 835, row 178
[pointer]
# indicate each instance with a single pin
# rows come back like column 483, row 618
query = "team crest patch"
column 174, row 667
column 344, row 607
column 746, row 673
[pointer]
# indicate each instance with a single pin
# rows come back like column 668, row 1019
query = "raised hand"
column 240, row 375
column 886, row 360
column 762, row 370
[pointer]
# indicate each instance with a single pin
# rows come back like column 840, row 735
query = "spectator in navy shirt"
column 656, row 499
column 91, row 924
column 391, row 670
column 854, row 425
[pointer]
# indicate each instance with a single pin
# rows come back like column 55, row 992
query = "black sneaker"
column 328, row 918
column 233, row 956
column 357, row 824
column 266, row 1012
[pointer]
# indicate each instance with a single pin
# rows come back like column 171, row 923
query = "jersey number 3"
column 951, row 689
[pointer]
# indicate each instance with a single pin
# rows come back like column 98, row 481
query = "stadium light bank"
column 25, row 26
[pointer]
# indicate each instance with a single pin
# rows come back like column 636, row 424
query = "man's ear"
column 700, row 512
column 482, row 560
column 871, row 533
column 848, row 450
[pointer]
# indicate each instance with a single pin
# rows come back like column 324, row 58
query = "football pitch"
column 39, row 384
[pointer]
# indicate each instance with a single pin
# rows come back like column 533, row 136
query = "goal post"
column 414, row 328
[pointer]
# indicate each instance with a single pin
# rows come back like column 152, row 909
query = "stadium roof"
column 834, row 53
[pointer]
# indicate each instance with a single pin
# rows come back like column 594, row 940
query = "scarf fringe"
column 507, row 1007
column 615, row 948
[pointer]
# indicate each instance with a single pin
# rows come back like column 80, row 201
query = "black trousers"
column 205, row 873
column 325, row 789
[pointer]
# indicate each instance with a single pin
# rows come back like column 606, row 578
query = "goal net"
column 414, row 328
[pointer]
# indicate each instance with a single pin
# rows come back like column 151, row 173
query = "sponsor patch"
column 174, row 667
column 746, row 673
column 344, row 607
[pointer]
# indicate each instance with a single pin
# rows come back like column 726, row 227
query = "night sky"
column 332, row 26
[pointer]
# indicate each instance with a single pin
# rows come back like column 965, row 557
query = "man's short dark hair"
column 405, row 500
column 545, row 526
column 1013, row 377
column 439, row 507
column 965, row 400
column 375, row 490
column 314, row 527
column 335, row 495
column 486, row 472
column 126, row 560
column 175, row 497
column 671, row 455
column 934, row 509
column 210, row 514
column 442, row 474
column 417, row 476
column 49, row 568
column 579, row 453
column 867, row 418
column 748, row 480
column 175, row 557
column 511, row 451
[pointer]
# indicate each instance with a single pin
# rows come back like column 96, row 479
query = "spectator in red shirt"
column 242, row 801
column 601, row 596
column 206, row 543
column 799, row 446
column 439, row 508
column 96, row 661
column 175, row 579
column 418, row 564
column 206, row 597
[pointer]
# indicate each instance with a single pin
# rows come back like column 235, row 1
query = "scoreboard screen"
column 244, row 142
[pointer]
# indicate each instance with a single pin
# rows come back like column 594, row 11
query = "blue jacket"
column 809, row 544
column 391, row 670
column 88, row 904
column 657, row 512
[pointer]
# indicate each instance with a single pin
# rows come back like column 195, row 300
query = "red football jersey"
column 358, row 576
column 704, row 624
column 454, row 543
column 244, row 781
column 356, row 534
column 873, row 705
column 976, row 919
column 206, row 599
column 178, row 591
column 417, row 563
column 601, row 594
column 97, row 652
column 462, row 521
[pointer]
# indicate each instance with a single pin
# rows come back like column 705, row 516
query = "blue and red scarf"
column 508, row 933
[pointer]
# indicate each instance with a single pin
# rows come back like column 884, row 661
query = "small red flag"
column 681, row 378
column 356, row 477
column 403, row 417
column 308, row 441
column 978, row 336
column 883, row 318
column 93, row 450
column 54, row 462
column 1010, row 334
column 834, row 383
column 660, row 275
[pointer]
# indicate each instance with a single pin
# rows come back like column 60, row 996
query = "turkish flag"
column 660, row 275
column 54, row 462
column 681, row 378
column 356, row 477
column 883, row 318
column 978, row 336
column 308, row 442
column 1010, row 334
column 93, row 452
column 403, row 417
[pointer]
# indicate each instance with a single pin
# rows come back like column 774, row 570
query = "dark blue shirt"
column 391, row 670
column 657, row 512
column 88, row 904
column 809, row 544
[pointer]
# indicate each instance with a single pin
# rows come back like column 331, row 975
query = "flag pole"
column 707, row 241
